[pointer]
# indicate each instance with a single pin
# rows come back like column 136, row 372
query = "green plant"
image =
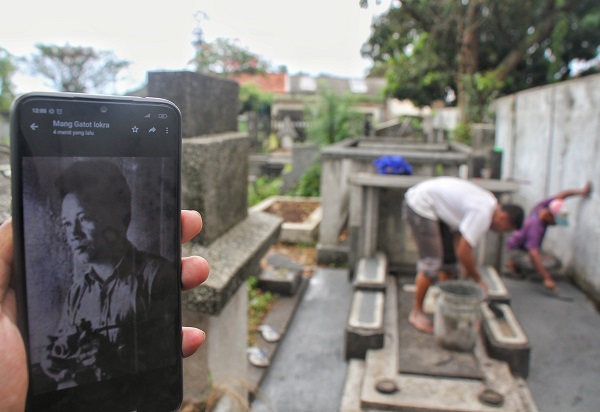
column 304, row 245
column 271, row 143
column 417, row 124
column 462, row 133
column 252, row 99
column 259, row 304
column 310, row 183
column 243, row 125
column 262, row 188
column 331, row 119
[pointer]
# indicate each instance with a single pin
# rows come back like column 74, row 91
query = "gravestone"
column 215, row 183
column 209, row 104
column 215, row 156
column 287, row 135
column 304, row 155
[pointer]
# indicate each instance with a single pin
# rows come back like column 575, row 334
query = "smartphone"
column 97, row 243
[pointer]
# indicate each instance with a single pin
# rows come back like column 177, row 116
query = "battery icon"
column 162, row 115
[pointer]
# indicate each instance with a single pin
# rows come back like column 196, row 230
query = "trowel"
column 558, row 295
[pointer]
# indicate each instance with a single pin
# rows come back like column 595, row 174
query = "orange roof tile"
column 268, row 82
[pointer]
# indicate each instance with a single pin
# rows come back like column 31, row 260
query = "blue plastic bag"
column 392, row 165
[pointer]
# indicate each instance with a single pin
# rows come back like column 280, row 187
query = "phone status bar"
column 47, row 110
column 151, row 127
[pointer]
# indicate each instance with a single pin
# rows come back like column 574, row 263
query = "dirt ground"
column 296, row 212
column 293, row 212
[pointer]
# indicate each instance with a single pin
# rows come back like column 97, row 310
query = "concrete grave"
column 295, row 232
column 365, row 329
column 497, row 292
column 208, row 104
column 371, row 273
column 214, row 182
column 504, row 337
column 376, row 384
column 356, row 155
column 211, row 145
column 375, row 221
column 280, row 275
column 303, row 156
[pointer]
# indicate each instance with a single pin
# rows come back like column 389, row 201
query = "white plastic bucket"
column 457, row 315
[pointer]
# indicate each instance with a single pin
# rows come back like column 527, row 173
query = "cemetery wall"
column 550, row 138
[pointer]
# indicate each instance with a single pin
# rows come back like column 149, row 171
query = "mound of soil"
column 293, row 212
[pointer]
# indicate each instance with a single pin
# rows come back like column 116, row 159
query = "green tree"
column 331, row 119
column 76, row 69
column 252, row 99
column 226, row 56
column 469, row 52
column 7, row 88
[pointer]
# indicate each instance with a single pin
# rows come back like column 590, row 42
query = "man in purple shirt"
column 529, row 238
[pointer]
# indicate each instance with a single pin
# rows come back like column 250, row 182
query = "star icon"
column 134, row 129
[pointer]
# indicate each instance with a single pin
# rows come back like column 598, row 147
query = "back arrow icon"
column 34, row 126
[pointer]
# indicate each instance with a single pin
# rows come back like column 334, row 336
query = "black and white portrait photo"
column 102, row 282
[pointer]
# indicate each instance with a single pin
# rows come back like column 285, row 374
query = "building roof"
column 368, row 87
column 267, row 82
column 301, row 84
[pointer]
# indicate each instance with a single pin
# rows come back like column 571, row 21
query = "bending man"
column 448, row 217
column 529, row 238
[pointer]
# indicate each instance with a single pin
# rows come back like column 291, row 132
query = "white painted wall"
column 445, row 118
column 550, row 138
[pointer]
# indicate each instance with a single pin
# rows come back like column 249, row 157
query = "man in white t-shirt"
column 448, row 217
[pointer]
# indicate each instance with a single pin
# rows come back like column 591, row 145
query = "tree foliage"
column 331, row 119
column 7, row 88
column 75, row 68
column 226, row 56
column 253, row 99
column 468, row 52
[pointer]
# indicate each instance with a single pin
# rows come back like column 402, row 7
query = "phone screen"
column 96, row 212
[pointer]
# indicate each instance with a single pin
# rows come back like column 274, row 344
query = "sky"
column 309, row 36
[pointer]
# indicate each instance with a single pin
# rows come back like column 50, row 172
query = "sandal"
column 258, row 357
column 269, row 333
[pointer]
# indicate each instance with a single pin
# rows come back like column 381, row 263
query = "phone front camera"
column 103, row 109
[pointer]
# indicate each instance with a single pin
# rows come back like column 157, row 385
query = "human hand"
column 13, row 361
column 74, row 356
column 587, row 189
column 550, row 284
column 483, row 285
column 194, row 271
